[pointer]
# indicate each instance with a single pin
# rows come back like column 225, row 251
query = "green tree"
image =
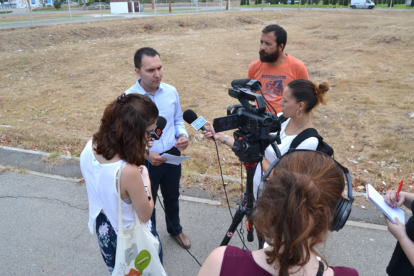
column 389, row 3
column 412, row 3
column 341, row 2
column 57, row 4
column 285, row 2
column 333, row 2
column 345, row 2
column 302, row 2
column 242, row 2
column 325, row 2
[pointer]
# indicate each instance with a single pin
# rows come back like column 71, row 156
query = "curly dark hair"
column 123, row 127
column 297, row 206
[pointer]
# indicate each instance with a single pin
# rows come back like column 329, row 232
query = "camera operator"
column 300, row 97
column 298, row 206
column 275, row 69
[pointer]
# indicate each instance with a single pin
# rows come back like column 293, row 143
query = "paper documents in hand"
column 173, row 159
column 376, row 199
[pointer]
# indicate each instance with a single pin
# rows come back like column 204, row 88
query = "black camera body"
column 254, row 124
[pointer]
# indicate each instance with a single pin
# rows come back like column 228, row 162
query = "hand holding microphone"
column 190, row 116
column 154, row 158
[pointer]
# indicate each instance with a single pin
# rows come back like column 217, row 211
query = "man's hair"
column 123, row 129
column 297, row 207
column 148, row 51
column 279, row 32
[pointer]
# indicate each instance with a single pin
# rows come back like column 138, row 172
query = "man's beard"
column 272, row 57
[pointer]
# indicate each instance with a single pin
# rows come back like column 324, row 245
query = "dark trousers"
column 168, row 177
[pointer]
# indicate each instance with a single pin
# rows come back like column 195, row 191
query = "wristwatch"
column 181, row 135
column 225, row 139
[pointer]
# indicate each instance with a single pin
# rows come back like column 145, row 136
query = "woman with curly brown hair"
column 294, row 213
column 125, row 129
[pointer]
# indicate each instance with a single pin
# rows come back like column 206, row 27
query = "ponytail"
column 310, row 93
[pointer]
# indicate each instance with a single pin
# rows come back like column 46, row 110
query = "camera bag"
column 311, row 132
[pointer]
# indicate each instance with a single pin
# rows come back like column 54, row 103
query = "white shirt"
column 270, row 155
column 101, row 180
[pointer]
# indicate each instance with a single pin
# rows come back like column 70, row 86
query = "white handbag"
column 137, row 248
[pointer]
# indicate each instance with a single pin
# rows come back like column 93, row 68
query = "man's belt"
column 170, row 151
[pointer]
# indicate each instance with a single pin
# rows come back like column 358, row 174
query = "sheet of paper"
column 174, row 160
column 376, row 199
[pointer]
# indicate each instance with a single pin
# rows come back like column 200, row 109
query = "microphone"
column 157, row 131
column 253, row 84
column 190, row 116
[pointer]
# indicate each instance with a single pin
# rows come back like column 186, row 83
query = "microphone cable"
column 267, row 103
column 227, row 198
column 165, row 213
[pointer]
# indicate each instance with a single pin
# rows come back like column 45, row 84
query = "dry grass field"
column 55, row 82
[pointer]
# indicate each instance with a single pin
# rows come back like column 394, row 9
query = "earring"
column 300, row 114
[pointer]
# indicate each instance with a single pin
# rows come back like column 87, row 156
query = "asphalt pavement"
column 44, row 228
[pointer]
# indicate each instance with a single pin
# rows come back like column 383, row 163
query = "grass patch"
column 3, row 12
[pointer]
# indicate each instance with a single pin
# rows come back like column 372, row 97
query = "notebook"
column 376, row 199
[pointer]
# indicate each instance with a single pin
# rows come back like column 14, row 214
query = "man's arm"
column 302, row 73
column 180, row 132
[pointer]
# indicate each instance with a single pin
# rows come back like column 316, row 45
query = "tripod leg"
column 237, row 219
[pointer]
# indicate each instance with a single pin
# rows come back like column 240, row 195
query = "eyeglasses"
column 149, row 133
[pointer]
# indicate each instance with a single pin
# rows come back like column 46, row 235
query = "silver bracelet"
column 225, row 139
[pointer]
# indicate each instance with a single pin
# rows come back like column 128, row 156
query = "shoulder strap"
column 118, row 178
column 307, row 133
column 320, row 269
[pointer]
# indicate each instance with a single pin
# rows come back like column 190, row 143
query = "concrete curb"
column 38, row 153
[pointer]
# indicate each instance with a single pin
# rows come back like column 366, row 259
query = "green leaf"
column 142, row 260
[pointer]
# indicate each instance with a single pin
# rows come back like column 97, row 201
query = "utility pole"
column 70, row 12
column 30, row 10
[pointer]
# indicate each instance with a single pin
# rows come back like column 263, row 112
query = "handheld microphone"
column 157, row 132
column 190, row 116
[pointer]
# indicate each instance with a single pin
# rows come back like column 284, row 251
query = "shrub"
column 57, row 4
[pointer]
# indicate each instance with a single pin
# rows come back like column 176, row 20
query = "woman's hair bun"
column 320, row 92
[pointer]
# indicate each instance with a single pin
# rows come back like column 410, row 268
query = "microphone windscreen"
column 189, row 116
column 161, row 122
column 240, row 82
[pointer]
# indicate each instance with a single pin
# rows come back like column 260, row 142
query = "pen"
column 399, row 190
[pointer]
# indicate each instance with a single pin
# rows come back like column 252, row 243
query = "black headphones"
column 343, row 207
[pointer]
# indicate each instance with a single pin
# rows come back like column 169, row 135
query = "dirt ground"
column 57, row 80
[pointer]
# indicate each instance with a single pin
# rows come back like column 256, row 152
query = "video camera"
column 254, row 124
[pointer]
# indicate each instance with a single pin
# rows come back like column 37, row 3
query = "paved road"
column 44, row 229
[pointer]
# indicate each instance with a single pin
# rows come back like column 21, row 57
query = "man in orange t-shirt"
column 275, row 69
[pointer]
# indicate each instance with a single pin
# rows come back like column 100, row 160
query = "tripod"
column 247, row 207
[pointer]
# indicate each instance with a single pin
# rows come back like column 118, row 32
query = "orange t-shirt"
column 275, row 78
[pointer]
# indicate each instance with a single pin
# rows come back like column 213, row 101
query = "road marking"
column 366, row 225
